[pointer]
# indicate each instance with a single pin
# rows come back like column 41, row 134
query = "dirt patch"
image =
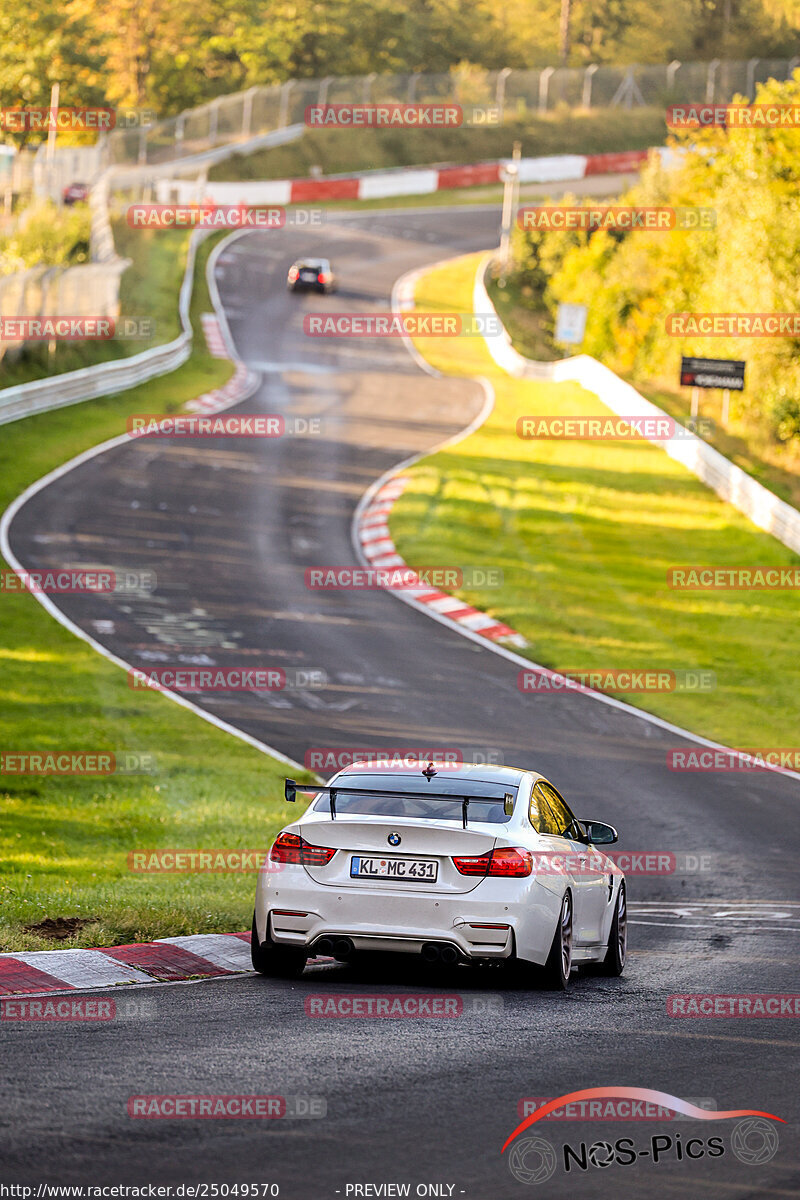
column 58, row 929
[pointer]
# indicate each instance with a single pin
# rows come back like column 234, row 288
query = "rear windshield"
column 485, row 804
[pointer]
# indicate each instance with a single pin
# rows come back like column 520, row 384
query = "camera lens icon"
column 754, row 1141
column 601, row 1154
column 532, row 1160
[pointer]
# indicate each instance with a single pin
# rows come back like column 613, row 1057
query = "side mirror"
column 600, row 834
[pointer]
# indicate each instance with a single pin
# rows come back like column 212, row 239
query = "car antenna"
column 430, row 771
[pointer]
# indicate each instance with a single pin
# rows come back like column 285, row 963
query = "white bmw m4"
column 466, row 864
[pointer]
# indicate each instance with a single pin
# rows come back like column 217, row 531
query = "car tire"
column 614, row 961
column 556, row 971
column 276, row 962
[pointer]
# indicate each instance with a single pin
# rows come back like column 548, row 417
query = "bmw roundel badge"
column 394, row 839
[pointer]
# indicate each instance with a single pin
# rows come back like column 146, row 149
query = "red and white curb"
column 406, row 181
column 379, row 550
column 241, row 385
column 213, row 334
column 164, row 961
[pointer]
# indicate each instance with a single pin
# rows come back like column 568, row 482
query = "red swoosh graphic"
column 664, row 1099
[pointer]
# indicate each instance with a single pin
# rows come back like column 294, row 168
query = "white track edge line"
column 407, row 280
column 47, row 603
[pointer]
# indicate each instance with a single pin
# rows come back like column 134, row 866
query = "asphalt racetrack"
column 229, row 528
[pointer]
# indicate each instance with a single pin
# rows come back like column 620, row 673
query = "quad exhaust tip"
column 432, row 952
column 340, row 948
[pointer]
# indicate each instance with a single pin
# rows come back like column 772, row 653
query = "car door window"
column 543, row 819
column 564, row 823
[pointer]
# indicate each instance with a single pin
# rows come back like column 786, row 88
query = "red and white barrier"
column 407, row 181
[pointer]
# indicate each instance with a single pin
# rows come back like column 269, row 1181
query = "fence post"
column 500, row 92
column 588, row 76
column 752, row 63
column 284, row 110
column 672, row 70
column 213, row 120
column 322, row 97
column 247, row 111
column 544, row 84
column 711, row 79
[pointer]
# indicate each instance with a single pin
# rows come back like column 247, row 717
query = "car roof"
column 474, row 772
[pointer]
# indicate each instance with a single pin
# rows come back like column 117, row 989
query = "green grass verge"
column 531, row 331
column 148, row 289
column 338, row 151
column 584, row 533
column 64, row 841
column 531, row 334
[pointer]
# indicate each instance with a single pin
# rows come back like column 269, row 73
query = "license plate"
column 393, row 868
column 308, row 274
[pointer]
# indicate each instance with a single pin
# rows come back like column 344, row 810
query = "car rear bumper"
column 404, row 922
column 466, row 941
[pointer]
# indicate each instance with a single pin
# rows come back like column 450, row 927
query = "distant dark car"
column 311, row 274
column 76, row 193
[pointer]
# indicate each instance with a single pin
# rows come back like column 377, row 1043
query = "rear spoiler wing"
column 291, row 789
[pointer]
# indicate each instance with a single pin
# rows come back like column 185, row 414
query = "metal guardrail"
column 109, row 378
column 106, row 379
column 731, row 483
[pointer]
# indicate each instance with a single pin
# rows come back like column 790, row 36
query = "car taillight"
column 508, row 862
column 290, row 848
column 293, row 274
column 323, row 277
